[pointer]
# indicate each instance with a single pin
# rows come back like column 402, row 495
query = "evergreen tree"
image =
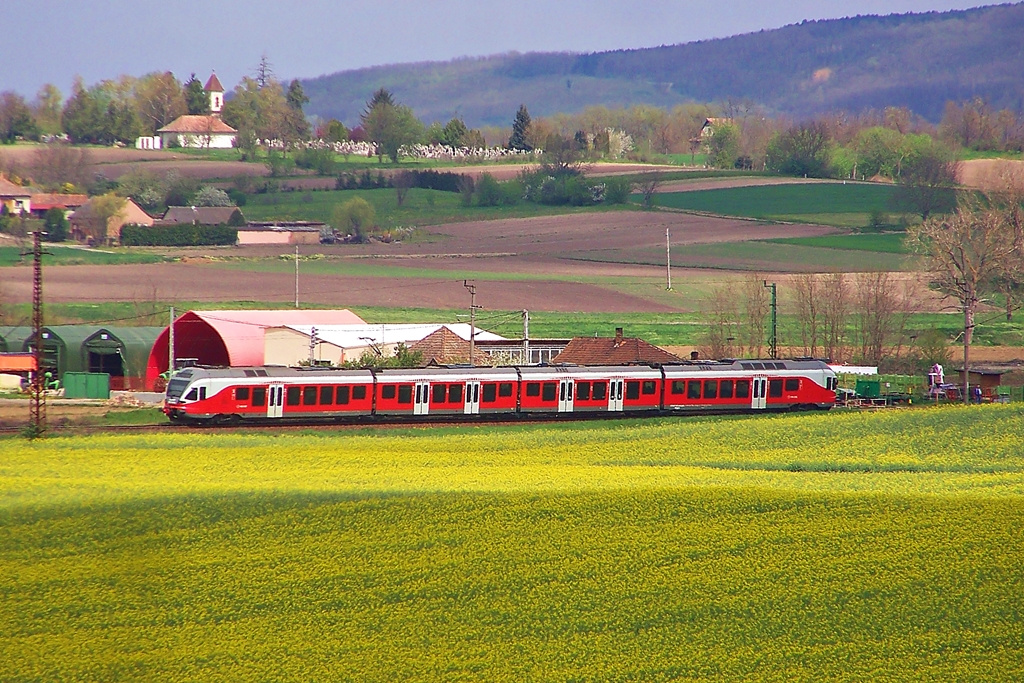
column 520, row 129
column 296, row 97
column 195, row 97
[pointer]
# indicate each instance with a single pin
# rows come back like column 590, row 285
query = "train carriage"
column 447, row 391
column 591, row 389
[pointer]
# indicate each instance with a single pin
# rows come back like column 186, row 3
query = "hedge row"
column 181, row 235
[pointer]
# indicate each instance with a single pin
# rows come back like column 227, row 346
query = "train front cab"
column 446, row 391
column 748, row 385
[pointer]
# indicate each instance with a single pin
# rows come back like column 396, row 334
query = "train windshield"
column 176, row 387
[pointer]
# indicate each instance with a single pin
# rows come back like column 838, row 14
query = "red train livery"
column 297, row 394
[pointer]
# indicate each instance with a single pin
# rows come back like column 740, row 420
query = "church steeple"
column 216, row 92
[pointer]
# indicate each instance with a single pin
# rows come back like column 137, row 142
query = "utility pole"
column 296, row 276
column 773, row 340
column 969, row 304
column 472, row 321
column 313, row 341
column 37, row 404
column 170, row 346
column 526, row 337
column 668, row 261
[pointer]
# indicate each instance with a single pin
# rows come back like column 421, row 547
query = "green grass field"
column 839, row 204
column 69, row 256
column 420, row 208
column 880, row 243
column 843, row 546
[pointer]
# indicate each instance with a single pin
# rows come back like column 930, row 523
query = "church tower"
column 216, row 92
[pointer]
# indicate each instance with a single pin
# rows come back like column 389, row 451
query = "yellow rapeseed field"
column 841, row 546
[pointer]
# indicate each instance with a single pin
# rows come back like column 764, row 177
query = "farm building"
column 230, row 338
column 617, row 350
column 14, row 198
column 290, row 344
column 12, row 339
column 516, row 352
column 203, row 215
column 41, row 203
column 62, row 348
column 281, row 232
column 84, row 222
column 120, row 352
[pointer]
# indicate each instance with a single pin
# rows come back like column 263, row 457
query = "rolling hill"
column 916, row 60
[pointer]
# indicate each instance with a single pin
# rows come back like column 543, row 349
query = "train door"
column 565, row 396
column 472, row 398
column 615, row 396
column 421, row 405
column 758, row 393
column 275, row 400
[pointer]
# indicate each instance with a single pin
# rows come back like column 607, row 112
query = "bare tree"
column 719, row 317
column 402, row 181
column 882, row 313
column 966, row 251
column 648, row 184
column 57, row 164
column 756, row 308
column 835, row 309
column 808, row 311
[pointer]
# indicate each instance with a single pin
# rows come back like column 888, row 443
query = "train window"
column 550, row 391
column 490, row 392
column 326, row 396
column 309, row 396
column 725, row 388
column 793, row 384
column 711, row 388
column 259, row 396
column 582, row 391
column 359, row 393
column 743, row 388
column 632, row 389
column 600, row 391
column 533, row 389
column 202, row 393
column 342, row 396
column 693, row 389
column 455, row 393
column 505, row 389
column 294, row 394
column 561, row 395
column 678, row 386
column 649, row 387
column 405, row 393
column 388, row 391
column 775, row 388
column 242, row 394
column 192, row 395
column 438, row 393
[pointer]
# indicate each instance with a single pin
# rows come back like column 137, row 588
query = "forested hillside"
column 919, row 61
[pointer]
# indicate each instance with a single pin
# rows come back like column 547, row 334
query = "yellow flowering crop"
column 842, row 546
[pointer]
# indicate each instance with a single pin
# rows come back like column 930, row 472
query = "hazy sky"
column 53, row 40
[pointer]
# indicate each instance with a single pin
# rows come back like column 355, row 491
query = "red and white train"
column 310, row 394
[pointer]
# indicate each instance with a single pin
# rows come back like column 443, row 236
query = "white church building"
column 204, row 131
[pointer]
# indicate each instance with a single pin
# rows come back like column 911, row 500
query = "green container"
column 86, row 385
column 869, row 388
